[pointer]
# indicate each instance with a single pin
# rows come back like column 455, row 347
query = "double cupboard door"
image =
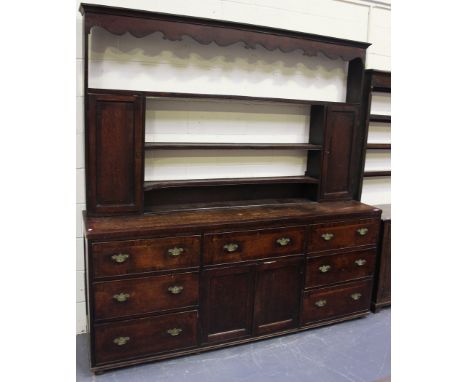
column 250, row 300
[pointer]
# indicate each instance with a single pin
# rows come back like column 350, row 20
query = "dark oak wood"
column 332, row 236
column 379, row 146
column 142, row 256
column 371, row 174
column 325, row 303
column 216, row 262
column 145, row 336
column 381, row 81
column 114, row 151
column 144, row 295
column 241, row 246
column 102, row 228
column 380, row 118
column 339, row 153
column 381, row 296
column 223, row 33
column 227, row 303
column 277, row 293
column 375, row 80
column 151, row 185
column 225, row 97
column 336, row 268
column 229, row 146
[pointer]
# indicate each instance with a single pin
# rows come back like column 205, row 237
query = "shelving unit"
column 379, row 81
column 376, row 81
column 178, row 267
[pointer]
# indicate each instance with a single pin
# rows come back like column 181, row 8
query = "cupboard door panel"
column 339, row 160
column 227, row 303
column 277, row 295
column 114, row 178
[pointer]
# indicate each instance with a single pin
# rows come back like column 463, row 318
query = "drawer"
column 144, row 336
column 144, row 295
column 341, row 300
column 338, row 268
column 328, row 236
column 116, row 258
column 249, row 245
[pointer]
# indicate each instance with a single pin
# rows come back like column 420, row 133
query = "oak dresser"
column 180, row 267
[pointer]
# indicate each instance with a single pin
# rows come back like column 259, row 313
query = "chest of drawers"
column 157, row 290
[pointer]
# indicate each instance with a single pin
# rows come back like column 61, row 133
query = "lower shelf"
column 152, row 185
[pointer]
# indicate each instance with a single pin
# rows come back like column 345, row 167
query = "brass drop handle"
column 327, row 236
column 362, row 231
column 283, row 241
column 120, row 258
column 321, row 303
column 175, row 289
column 119, row 341
column 174, row 332
column 121, row 297
column 325, row 268
column 176, row 251
column 356, row 296
column 231, row 247
column 360, row 262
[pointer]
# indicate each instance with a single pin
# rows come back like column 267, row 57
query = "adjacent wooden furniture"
column 376, row 81
column 381, row 296
column 180, row 267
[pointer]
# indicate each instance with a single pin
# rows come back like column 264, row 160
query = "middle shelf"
column 229, row 146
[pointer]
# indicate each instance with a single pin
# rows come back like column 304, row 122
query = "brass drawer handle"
column 283, row 241
column 356, row 296
column 362, row 231
column 327, row 236
column 321, row 303
column 174, row 332
column 175, row 289
column 121, row 297
column 119, row 341
column 176, row 251
column 231, row 247
column 325, row 268
column 360, row 262
column 120, row 258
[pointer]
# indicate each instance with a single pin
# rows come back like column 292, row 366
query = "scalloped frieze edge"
column 207, row 34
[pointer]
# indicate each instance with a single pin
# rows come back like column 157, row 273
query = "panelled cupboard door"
column 227, row 303
column 340, row 154
column 277, row 295
column 115, row 140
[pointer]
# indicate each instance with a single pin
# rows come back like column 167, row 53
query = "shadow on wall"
column 135, row 59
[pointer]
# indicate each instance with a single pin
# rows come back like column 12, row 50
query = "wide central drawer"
column 338, row 268
column 144, row 336
column 329, row 236
column 122, row 298
column 116, row 258
column 323, row 303
column 240, row 246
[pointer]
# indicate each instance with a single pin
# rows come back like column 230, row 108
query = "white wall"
column 187, row 66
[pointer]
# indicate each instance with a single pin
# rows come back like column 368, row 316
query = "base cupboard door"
column 227, row 303
column 277, row 295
